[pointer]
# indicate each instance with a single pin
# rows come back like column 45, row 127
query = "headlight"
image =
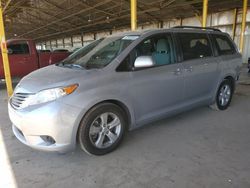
column 48, row 95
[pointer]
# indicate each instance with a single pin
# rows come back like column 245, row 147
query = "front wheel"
column 223, row 96
column 102, row 129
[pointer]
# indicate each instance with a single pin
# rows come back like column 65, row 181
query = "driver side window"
column 159, row 48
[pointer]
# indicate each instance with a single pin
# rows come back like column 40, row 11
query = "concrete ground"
column 201, row 148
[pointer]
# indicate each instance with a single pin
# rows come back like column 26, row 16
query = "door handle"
column 177, row 71
column 25, row 59
column 189, row 69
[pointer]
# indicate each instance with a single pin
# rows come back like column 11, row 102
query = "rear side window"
column 194, row 45
column 224, row 45
column 21, row 48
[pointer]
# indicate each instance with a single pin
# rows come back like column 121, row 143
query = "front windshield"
column 99, row 53
column 81, row 52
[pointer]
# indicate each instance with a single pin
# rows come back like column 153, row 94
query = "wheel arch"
column 122, row 106
column 125, row 108
column 231, row 79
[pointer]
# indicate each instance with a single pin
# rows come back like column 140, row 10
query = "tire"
column 102, row 129
column 223, row 96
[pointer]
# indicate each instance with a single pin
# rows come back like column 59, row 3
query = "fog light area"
column 48, row 140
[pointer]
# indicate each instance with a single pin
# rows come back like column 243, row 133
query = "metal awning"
column 48, row 19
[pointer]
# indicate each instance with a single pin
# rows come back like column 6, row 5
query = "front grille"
column 18, row 99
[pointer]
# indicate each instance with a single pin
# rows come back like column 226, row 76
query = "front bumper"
column 52, row 120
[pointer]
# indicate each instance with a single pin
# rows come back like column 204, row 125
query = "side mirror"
column 10, row 51
column 143, row 62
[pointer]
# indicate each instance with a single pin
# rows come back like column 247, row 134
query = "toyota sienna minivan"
column 120, row 83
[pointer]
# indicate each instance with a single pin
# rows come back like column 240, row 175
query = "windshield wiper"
column 73, row 66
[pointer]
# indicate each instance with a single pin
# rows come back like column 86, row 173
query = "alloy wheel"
column 224, row 95
column 105, row 130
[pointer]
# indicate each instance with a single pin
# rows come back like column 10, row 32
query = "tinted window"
column 223, row 45
column 21, row 48
column 44, row 51
column 61, row 50
column 159, row 47
column 194, row 45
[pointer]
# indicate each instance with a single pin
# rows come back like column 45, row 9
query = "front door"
column 157, row 90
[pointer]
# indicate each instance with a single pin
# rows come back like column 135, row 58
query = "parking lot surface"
column 201, row 148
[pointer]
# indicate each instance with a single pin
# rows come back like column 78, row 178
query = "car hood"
column 52, row 76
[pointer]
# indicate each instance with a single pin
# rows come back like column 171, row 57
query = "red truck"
column 25, row 58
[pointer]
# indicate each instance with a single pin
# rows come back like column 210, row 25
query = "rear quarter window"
column 223, row 45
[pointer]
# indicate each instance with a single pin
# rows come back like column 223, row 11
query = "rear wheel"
column 223, row 96
column 102, row 129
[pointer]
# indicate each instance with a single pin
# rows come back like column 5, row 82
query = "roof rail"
column 195, row 27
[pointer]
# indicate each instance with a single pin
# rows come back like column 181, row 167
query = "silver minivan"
column 120, row 83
